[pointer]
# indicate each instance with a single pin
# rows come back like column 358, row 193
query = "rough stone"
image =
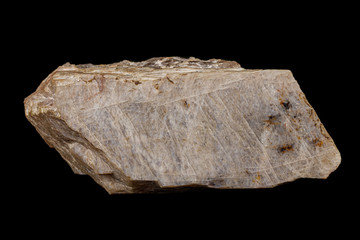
column 170, row 123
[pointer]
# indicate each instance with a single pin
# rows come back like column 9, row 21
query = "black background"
column 310, row 41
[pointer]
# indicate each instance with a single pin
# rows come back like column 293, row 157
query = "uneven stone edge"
column 42, row 113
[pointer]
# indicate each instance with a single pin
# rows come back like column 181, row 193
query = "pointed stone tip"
column 332, row 164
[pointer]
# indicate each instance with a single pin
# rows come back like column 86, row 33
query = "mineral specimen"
column 172, row 122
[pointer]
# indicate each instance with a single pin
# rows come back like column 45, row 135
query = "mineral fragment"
column 172, row 122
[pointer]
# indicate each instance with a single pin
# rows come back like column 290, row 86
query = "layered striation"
column 172, row 122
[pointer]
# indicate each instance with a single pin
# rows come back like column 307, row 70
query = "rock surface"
column 171, row 122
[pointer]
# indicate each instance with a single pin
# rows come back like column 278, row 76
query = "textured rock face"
column 174, row 122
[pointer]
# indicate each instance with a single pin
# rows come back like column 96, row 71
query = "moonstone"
column 173, row 123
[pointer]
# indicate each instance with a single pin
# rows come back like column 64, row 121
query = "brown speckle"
column 286, row 148
column 311, row 113
column 137, row 82
column 285, row 104
column 156, row 86
column 303, row 98
column 186, row 104
column 169, row 80
column 257, row 178
column 89, row 81
column 317, row 142
column 217, row 182
column 273, row 120
column 324, row 132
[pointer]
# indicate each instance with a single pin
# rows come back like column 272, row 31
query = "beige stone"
column 171, row 122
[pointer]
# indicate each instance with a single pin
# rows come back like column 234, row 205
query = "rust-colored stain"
column 100, row 80
column 317, row 142
column 257, row 178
